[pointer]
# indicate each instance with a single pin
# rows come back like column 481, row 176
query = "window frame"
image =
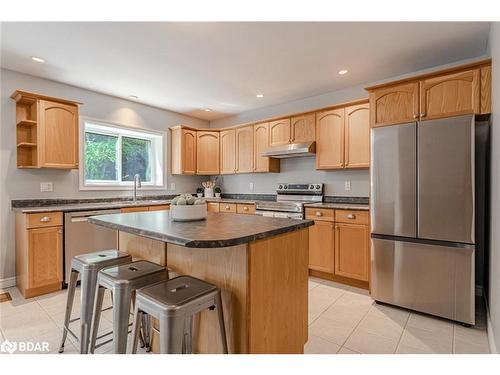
column 157, row 157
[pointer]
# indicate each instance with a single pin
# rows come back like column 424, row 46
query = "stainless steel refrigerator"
column 427, row 190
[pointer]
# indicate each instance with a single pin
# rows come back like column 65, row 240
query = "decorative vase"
column 199, row 195
column 217, row 195
column 209, row 192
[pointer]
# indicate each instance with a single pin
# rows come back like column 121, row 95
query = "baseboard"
column 8, row 282
column 489, row 327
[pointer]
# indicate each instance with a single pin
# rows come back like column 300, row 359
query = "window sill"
column 120, row 188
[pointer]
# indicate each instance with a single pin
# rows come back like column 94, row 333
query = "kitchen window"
column 112, row 154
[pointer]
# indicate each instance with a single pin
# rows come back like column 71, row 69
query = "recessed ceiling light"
column 207, row 110
column 37, row 59
column 343, row 71
column 259, row 95
column 133, row 97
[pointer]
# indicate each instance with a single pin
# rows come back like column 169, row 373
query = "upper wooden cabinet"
column 46, row 130
column 183, row 151
column 261, row 144
column 227, row 152
column 394, row 105
column 244, row 149
column 280, row 132
column 207, row 152
column 357, row 136
column 450, row 95
column 451, row 92
column 330, row 139
column 303, row 128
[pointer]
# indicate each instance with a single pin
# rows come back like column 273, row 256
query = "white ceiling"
column 186, row 67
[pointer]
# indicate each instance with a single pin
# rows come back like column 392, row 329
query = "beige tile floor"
column 342, row 320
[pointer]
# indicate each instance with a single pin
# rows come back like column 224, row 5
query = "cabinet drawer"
column 351, row 216
column 160, row 207
column 324, row 214
column 212, row 207
column 44, row 219
column 227, row 207
column 134, row 209
column 248, row 209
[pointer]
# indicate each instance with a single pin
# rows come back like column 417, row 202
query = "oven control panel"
column 299, row 188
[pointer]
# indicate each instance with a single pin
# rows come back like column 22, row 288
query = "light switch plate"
column 347, row 185
column 172, row 186
column 46, row 187
column 251, row 186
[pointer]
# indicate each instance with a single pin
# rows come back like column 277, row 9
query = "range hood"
column 292, row 150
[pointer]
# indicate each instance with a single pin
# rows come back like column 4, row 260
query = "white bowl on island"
column 185, row 207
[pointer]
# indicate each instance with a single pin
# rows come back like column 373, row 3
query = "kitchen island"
column 260, row 264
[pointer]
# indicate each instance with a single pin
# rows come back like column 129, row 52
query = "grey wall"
column 303, row 170
column 25, row 183
column 494, row 259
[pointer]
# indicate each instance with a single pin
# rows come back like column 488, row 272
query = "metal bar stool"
column 123, row 281
column 174, row 303
column 87, row 265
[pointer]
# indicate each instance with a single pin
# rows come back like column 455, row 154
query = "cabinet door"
column 213, row 207
column 261, row 144
column 394, row 105
column 207, row 153
column 58, row 135
column 486, row 89
column 279, row 132
column 357, row 136
column 44, row 256
column 450, row 95
column 352, row 251
column 188, row 150
column 330, row 139
column 304, row 128
column 227, row 152
column 244, row 149
column 321, row 246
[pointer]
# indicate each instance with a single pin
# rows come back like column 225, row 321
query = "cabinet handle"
column 422, row 114
column 415, row 116
column 245, row 208
column 319, row 213
column 45, row 219
column 227, row 207
column 351, row 216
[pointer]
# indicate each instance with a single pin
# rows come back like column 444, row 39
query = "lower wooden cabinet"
column 39, row 252
column 352, row 251
column 321, row 245
column 213, row 207
column 340, row 250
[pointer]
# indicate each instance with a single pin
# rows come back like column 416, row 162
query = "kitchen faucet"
column 137, row 184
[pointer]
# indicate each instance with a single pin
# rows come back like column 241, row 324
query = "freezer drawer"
column 446, row 179
column 437, row 280
column 393, row 182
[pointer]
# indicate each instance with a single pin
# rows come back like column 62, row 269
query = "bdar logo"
column 8, row 347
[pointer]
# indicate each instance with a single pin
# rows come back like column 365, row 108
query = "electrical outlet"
column 172, row 186
column 251, row 186
column 347, row 185
column 46, row 187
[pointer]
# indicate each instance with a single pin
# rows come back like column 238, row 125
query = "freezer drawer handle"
column 319, row 213
column 351, row 216
column 45, row 219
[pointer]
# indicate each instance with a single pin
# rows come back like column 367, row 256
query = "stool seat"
column 177, row 292
column 129, row 273
column 98, row 259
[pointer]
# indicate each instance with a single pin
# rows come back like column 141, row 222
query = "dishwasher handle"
column 81, row 217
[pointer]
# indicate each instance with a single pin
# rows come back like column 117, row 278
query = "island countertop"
column 218, row 230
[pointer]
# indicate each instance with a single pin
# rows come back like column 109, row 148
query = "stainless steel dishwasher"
column 82, row 237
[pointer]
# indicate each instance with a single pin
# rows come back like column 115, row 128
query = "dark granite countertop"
column 339, row 206
column 218, row 230
column 90, row 206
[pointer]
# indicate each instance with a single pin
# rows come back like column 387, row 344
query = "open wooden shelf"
column 26, row 144
column 26, row 123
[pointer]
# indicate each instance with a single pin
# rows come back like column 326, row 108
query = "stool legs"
column 97, row 317
column 136, row 331
column 171, row 334
column 69, row 307
column 222, row 326
column 89, row 281
column 121, row 313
